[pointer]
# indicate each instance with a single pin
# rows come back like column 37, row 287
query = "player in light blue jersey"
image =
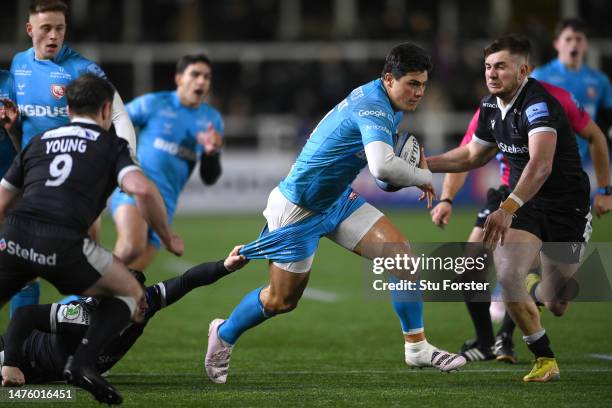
column 590, row 87
column 8, row 117
column 41, row 76
column 177, row 129
column 316, row 200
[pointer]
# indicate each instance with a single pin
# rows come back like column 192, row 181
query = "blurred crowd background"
column 280, row 65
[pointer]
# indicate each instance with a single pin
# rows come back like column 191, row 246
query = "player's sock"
column 507, row 326
column 481, row 318
column 408, row 306
column 29, row 295
column 111, row 316
column 249, row 313
column 200, row 275
column 539, row 344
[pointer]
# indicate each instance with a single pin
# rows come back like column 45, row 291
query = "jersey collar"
column 83, row 119
column 504, row 111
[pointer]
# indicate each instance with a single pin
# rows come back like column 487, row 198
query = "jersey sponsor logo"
column 71, row 131
column 58, row 91
column 43, row 111
column 381, row 128
column 71, row 312
column 513, row 149
column 377, row 113
column 168, row 113
column 23, row 71
column 174, row 149
column 357, row 93
column 536, row 111
column 61, row 74
column 489, row 105
column 29, row 254
column 96, row 70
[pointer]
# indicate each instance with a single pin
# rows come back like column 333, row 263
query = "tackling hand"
column 210, row 139
column 602, row 204
column 428, row 191
column 441, row 214
column 234, row 260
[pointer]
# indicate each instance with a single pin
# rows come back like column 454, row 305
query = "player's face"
column 571, row 46
column 504, row 73
column 47, row 31
column 193, row 84
column 406, row 92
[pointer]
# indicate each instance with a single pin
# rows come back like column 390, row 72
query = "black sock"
column 479, row 311
column 541, row 347
column 110, row 317
column 507, row 326
column 200, row 275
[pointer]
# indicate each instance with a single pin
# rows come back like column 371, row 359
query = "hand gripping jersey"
column 578, row 119
column 590, row 87
column 66, row 175
column 7, row 150
column 334, row 153
column 167, row 143
column 41, row 88
column 534, row 110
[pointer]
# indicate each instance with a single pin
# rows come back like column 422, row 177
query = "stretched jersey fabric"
column 7, row 150
column 167, row 143
column 334, row 154
column 577, row 116
column 66, row 174
column 590, row 87
column 531, row 111
column 41, row 88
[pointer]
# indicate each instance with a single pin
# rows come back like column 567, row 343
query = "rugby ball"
column 407, row 147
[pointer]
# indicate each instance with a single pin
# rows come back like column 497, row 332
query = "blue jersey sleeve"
column 218, row 123
column 374, row 123
column 140, row 109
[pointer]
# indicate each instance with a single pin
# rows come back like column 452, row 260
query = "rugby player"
column 501, row 347
column 549, row 201
column 41, row 75
column 569, row 71
column 177, row 129
column 9, row 116
column 40, row 338
column 316, row 200
column 49, row 197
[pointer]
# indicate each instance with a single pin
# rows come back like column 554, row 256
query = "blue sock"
column 409, row 308
column 249, row 313
column 29, row 295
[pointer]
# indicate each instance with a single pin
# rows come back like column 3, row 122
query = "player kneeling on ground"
column 65, row 176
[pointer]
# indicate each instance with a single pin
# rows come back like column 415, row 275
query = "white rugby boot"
column 423, row 354
column 218, row 354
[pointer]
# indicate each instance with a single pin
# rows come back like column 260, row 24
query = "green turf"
column 345, row 353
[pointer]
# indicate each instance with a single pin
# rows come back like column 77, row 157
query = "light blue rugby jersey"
column 334, row 153
column 7, row 150
column 167, row 144
column 590, row 87
column 40, row 87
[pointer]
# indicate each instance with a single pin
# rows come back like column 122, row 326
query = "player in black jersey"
column 64, row 177
column 40, row 338
column 549, row 201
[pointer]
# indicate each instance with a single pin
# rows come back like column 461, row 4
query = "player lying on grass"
column 39, row 338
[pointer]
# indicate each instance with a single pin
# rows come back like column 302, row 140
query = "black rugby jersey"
column 67, row 173
column 534, row 110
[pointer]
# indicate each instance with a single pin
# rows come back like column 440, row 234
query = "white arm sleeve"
column 122, row 122
column 386, row 166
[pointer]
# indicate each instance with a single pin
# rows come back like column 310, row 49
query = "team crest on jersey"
column 58, row 91
column 71, row 312
column 353, row 196
column 591, row 92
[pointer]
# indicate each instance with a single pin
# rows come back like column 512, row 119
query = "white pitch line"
column 408, row 371
column 320, row 295
column 599, row 356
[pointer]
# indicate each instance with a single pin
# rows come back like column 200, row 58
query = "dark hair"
column 575, row 24
column 88, row 93
column 405, row 58
column 43, row 6
column 187, row 60
column 515, row 44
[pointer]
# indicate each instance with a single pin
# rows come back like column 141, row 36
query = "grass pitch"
column 339, row 348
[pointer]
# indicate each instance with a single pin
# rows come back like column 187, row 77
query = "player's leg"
column 513, row 261
column 28, row 295
column 368, row 233
column 132, row 229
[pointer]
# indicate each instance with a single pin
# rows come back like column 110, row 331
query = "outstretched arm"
column 462, row 158
column 598, row 147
